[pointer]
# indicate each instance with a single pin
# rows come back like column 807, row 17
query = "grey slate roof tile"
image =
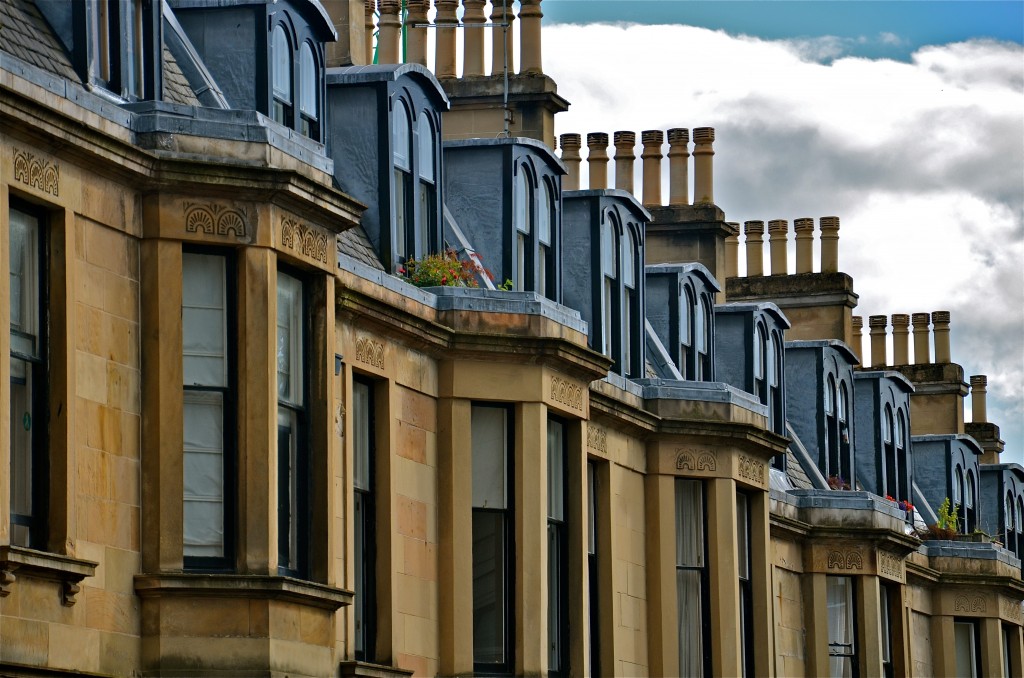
column 355, row 243
column 176, row 87
column 27, row 35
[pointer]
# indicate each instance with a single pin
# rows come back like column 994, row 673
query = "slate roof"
column 176, row 87
column 355, row 243
column 26, row 34
column 796, row 473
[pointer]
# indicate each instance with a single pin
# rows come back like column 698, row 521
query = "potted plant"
column 948, row 526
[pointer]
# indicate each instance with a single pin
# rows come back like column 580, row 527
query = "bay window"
column 692, row 579
column 842, row 649
column 558, row 570
column 966, row 643
column 745, row 584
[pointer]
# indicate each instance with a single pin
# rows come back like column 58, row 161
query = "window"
column 831, row 451
column 427, row 185
column 746, row 586
column 308, row 119
column 842, row 656
column 522, row 217
column 281, row 76
column 363, row 478
column 686, row 322
column 208, row 410
column 593, row 600
column 609, row 283
column 776, row 395
column 28, row 397
column 958, row 494
column 1009, row 638
column 631, row 317
column 761, row 363
column 1009, row 520
column 845, row 452
column 558, row 570
column 903, row 480
column 292, row 445
column 968, row 655
column 115, row 59
column 493, row 539
column 892, row 470
column 692, row 579
column 704, row 340
column 1020, row 527
column 885, row 603
column 546, row 262
column 969, row 512
column 401, row 142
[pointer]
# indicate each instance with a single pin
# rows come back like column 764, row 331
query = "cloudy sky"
column 905, row 119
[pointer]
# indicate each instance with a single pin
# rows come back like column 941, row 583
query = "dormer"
column 505, row 196
column 752, row 336
column 820, row 403
column 1002, row 498
column 680, row 309
column 885, row 464
column 266, row 55
column 947, row 466
column 603, row 279
column 385, row 131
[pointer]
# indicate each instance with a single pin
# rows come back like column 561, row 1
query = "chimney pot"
column 678, row 166
column 529, row 36
column 922, row 345
column 829, row 244
column 877, row 324
column 940, row 328
column 444, row 47
column 979, row 404
column 754, row 231
column 651, row 156
column 625, row 142
column 500, row 52
column 570, row 144
column 732, row 253
column 597, row 159
column 778, row 235
column 900, row 338
column 804, row 228
column 703, row 166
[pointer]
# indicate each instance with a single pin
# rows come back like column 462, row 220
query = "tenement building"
column 240, row 441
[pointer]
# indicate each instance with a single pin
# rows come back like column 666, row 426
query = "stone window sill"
column 68, row 571
column 242, row 585
column 358, row 669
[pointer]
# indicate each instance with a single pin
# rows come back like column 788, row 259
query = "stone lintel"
column 791, row 291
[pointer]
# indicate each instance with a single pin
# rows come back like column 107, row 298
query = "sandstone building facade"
column 240, row 442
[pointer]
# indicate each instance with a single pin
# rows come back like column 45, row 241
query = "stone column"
column 389, row 50
column 732, row 255
column 678, row 166
column 368, row 26
column 979, row 405
column 857, row 322
column 703, row 169
column 829, row 244
column 724, row 579
column 531, row 526
column 444, row 48
column 625, row 156
column 662, row 608
column 597, row 159
column 804, row 228
column 417, row 32
column 940, row 327
column 869, row 625
column 529, row 37
column 501, row 37
column 944, row 646
column 991, row 630
column 570, row 144
column 754, row 232
column 473, row 19
column 922, row 346
column 778, row 236
column 651, row 157
column 815, row 590
column 876, row 326
column 900, row 339
column 576, row 497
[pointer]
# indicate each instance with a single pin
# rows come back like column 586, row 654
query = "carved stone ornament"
column 567, row 393
column 306, row 240
column 845, row 560
column 890, row 565
column 696, row 460
column 370, row 352
column 969, row 603
column 7, row 578
column 214, row 219
column 1011, row 609
column 597, row 438
column 36, row 172
column 752, row 470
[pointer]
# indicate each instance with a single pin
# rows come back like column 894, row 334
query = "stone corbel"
column 7, row 578
column 67, row 571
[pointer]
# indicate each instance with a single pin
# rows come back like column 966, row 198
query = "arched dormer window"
column 958, row 493
column 401, row 150
column 1009, row 523
column 686, row 324
column 832, row 464
column 1019, row 523
column 281, row 76
column 761, row 363
column 970, row 513
column 890, row 486
column 901, row 455
column 522, row 217
column 546, row 221
column 609, row 281
column 426, row 156
column 309, row 119
column 630, row 306
column 776, row 394
column 702, row 335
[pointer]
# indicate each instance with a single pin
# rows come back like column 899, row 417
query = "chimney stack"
column 501, row 36
column 652, row 140
column 804, row 228
column 597, row 159
column 529, row 37
column 900, row 339
column 979, row 405
column 754, row 231
column 732, row 253
column 857, row 322
column 444, row 47
column 625, row 156
column 829, row 244
column 876, row 327
column 703, row 169
column 678, row 166
column 778, row 234
column 922, row 351
column 570, row 144
column 940, row 325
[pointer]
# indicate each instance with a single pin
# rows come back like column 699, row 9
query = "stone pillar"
column 778, row 236
column 444, row 48
column 370, row 7
column 389, row 38
column 732, row 256
column 867, row 599
column 577, row 501
column 804, row 228
column 625, row 156
column 857, row 322
column 501, row 37
column 597, row 159
column 940, row 328
column 900, row 339
column 815, row 590
column 922, row 351
column 876, row 326
column 678, row 166
column 662, row 608
column 417, row 32
column 979, row 405
column 829, row 244
column 754, row 232
column 651, row 156
column 703, row 168
column 724, row 579
column 991, row 630
column 943, row 646
column 570, row 144
column 529, row 37
column 531, row 525
column 473, row 19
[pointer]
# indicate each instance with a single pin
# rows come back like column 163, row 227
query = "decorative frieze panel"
column 1010, row 609
column 696, row 460
column 37, row 173
column 969, row 602
column 370, row 352
column 597, row 438
column 309, row 241
column 567, row 393
column 215, row 219
column 843, row 559
column 752, row 470
column 890, row 565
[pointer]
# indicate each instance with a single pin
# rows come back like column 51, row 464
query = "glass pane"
column 591, row 511
column 887, row 425
column 287, row 488
column 426, row 213
column 691, row 624
column 401, row 215
column 743, row 536
column 204, row 319
column 689, row 523
column 628, row 260
column 685, row 317
column 556, row 470
column 844, row 403
column 489, row 457
column 307, row 81
column 281, row 65
column 361, row 434
column 360, row 555
column 839, row 593
column 545, row 216
column 555, row 582
column 489, row 577
column 969, row 490
column 608, row 266
column 830, row 396
column 401, row 137
column 520, row 203
column 24, row 277
column 289, row 339
column 963, row 635
column 203, row 474
column 21, row 439
column 883, row 606
column 426, row 147
column 608, row 301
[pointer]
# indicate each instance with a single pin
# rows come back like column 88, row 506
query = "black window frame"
column 631, row 314
column 365, row 526
column 129, row 44
column 976, row 633
column 593, row 570
column 227, row 562
column 887, row 605
column 746, row 583
column 854, row 617
column 558, row 567
column 289, row 113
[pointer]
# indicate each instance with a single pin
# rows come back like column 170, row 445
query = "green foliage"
column 505, row 286
column 948, row 519
column 440, row 270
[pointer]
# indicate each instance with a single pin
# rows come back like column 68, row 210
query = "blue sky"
column 875, row 28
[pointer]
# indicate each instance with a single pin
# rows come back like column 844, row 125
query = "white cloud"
column 922, row 160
